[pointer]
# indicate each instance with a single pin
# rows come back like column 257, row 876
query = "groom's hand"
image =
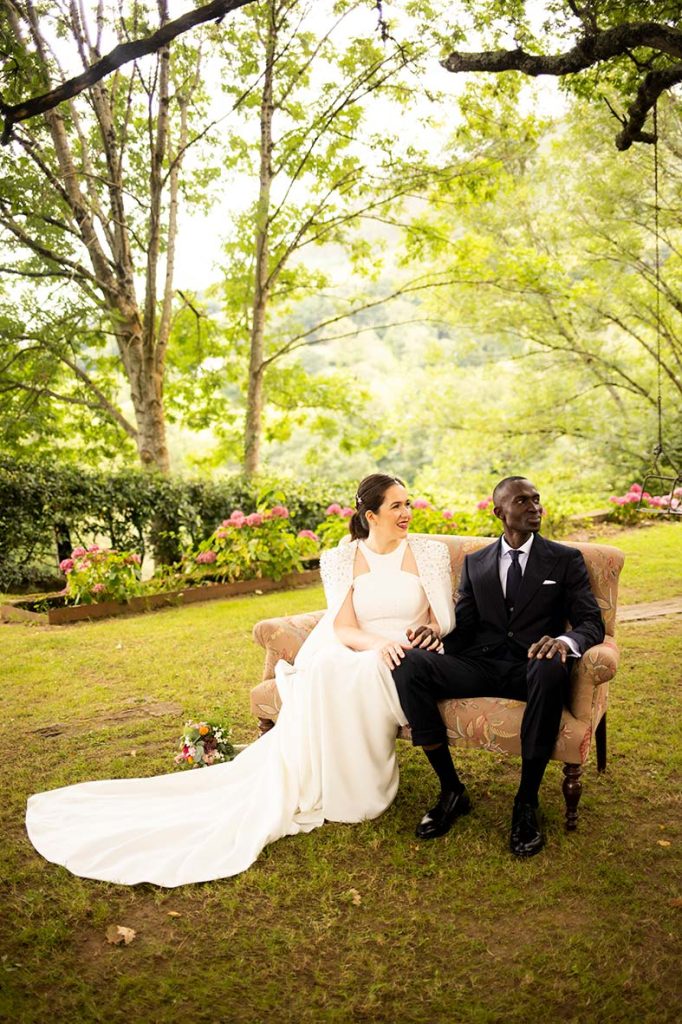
column 425, row 637
column 547, row 647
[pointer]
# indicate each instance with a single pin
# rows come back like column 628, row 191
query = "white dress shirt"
column 505, row 561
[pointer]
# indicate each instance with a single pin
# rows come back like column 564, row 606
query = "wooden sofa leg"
column 265, row 725
column 600, row 743
column 572, row 788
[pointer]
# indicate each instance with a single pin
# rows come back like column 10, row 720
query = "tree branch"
column 121, row 54
column 592, row 48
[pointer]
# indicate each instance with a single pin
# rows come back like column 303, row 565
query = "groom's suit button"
column 510, row 633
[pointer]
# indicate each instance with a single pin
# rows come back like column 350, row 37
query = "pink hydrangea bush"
column 628, row 505
column 425, row 519
column 257, row 545
column 101, row 574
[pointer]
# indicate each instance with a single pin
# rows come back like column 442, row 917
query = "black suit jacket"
column 555, row 591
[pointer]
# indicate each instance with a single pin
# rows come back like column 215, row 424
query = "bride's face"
column 393, row 517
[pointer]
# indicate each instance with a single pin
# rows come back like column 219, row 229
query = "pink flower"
column 226, row 522
column 279, row 511
column 206, row 556
column 66, row 564
column 483, row 505
column 645, row 495
column 347, row 512
column 255, row 519
column 447, row 514
column 677, row 493
column 334, row 509
column 221, row 533
column 135, row 558
column 636, row 488
column 420, row 503
column 95, row 547
column 614, row 499
column 98, row 588
column 236, row 515
column 621, row 501
column 77, row 552
column 309, row 535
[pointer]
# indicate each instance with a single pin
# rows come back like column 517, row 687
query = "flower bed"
column 246, row 553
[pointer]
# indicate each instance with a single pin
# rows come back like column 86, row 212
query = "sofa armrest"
column 597, row 666
column 283, row 637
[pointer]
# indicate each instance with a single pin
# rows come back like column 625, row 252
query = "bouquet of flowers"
column 204, row 743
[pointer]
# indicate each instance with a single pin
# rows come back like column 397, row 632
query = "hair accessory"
column 358, row 500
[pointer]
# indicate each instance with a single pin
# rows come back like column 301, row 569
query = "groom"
column 514, row 600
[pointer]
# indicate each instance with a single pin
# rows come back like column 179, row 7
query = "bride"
column 331, row 754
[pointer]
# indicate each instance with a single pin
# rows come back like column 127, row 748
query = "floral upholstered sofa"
column 492, row 723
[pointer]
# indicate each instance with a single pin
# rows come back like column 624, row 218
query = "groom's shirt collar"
column 523, row 551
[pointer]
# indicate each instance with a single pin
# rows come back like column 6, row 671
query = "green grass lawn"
column 350, row 923
column 653, row 562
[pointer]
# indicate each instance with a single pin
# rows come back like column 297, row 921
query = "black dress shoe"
column 440, row 818
column 526, row 838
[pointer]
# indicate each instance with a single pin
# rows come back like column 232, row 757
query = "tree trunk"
column 141, row 335
column 254, row 402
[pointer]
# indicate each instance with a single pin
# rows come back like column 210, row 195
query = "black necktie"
column 514, row 577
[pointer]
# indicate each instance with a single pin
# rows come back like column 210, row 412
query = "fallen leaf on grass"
column 117, row 935
column 663, row 842
column 676, row 902
column 355, row 897
column 174, row 913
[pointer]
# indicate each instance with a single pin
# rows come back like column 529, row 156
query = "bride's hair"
column 369, row 498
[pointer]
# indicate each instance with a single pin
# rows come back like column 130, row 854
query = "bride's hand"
column 425, row 637
column 391, row 652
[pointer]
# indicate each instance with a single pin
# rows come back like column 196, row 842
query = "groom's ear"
column 497, row 511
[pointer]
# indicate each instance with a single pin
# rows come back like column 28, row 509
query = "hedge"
column 46, row 509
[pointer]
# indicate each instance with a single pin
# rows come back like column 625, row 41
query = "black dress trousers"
column 423, row 678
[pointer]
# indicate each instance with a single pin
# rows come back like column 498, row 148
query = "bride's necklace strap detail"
column 386, row 560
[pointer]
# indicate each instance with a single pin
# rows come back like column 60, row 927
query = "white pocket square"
column 546, row 582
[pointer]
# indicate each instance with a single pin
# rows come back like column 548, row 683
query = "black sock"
column 441, row 762
column 532, row 770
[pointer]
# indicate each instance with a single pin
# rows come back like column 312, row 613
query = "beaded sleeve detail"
column 336, row 570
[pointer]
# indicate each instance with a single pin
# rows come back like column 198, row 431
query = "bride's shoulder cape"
column 336, row 569
column 433, row 565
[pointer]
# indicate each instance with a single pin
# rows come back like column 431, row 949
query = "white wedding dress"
column 331, row 756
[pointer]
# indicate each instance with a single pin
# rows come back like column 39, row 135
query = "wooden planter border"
column 189, row 595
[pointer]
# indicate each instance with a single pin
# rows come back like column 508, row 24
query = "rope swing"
column 654, row 477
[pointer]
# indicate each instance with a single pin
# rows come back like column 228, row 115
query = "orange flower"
column 203, row 729
column 190, row 760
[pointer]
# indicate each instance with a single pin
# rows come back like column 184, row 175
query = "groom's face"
column 519, row 507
